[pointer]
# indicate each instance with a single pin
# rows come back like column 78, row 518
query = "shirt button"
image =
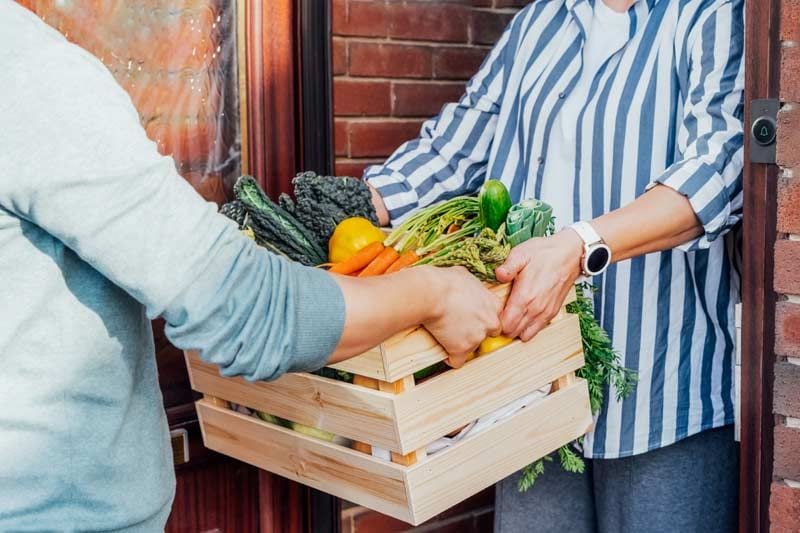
column 561, row 95
column 540, row 159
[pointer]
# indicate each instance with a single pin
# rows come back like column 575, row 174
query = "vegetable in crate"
column 481, row 255
column 274, row 228
column 495, row 201
column 322, row 202
column 528, row 219
column 350, row 236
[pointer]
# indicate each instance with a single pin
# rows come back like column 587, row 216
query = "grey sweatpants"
column 690, row 486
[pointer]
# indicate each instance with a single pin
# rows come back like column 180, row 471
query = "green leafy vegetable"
column 321, row 202
column 528, row 219
column 273, row 226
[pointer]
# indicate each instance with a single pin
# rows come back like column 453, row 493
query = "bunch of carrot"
column 374, row 260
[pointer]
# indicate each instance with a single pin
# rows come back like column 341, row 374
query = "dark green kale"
column 321, row 202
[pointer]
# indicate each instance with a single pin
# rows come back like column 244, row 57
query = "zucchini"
column 494, row 202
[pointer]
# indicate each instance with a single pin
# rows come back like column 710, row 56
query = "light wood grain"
column 412, row 350
column 415, row 493
column 341, row 408
column 328, row 467
column 437, row 406
column 457, row 473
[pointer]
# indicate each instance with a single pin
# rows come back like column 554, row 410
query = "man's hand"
column 380, row 207
column 543, row 270
column 466, row 313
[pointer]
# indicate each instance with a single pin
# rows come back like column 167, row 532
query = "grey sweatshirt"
column 98, row 235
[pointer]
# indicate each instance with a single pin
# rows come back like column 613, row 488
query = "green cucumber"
column 494, row 202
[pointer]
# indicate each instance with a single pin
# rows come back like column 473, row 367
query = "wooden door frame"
column 758, row 298
column 286, row 126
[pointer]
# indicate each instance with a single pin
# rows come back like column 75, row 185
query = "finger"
column 533, row 329
column 513, row 265
column 456, row 361
column 516, row 305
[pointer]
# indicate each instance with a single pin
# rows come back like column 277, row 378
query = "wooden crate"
column 384, row 407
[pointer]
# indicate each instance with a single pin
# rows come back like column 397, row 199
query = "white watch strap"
column 586, row 232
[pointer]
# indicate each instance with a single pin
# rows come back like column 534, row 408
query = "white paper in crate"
column 476, row 426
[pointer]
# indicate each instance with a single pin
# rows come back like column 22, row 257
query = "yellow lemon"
column 491, row 344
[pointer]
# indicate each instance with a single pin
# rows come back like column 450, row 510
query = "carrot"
column 453, row 228
column 379, row 265
column 361, row 259
column 407, row 259
column 356, row 273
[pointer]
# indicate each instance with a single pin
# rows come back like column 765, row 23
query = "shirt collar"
column 582, row 12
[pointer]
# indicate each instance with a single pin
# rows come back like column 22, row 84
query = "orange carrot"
column 356, row 273
column 453, row 228
column 407, row 259
column 379, row 265
column 361, row 259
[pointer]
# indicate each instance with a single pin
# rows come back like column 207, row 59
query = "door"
column 758, row 299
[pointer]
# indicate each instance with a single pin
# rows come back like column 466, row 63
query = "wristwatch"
column 596, row 253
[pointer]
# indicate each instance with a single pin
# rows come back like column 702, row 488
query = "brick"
column 786, row 389
column 423, row 99
column 429, row 21
column 354, row 167
column 790, row 20
column 784, row 509
column 457, row 63
column 380, row 138
column 787, row 453
column 339, row 53
column 488, row 26
column 790, row 72
column 787, row 332
column 338, row 16
column 787, row 266
column 789, row 135
column 341, row 140
column 390, row 60
column 361, row 98
column 789, row 203
column 364, row 18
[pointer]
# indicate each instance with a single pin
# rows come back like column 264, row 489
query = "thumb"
column 514, row 264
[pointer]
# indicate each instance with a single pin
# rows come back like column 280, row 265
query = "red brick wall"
column 397, row 62
column 785, row 500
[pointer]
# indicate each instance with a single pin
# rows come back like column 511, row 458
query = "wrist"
column 574, row 250
column 433, row 288
column 379, row 205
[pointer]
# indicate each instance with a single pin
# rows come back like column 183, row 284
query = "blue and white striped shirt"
column 665, row 108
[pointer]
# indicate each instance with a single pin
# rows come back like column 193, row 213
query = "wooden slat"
column 445, row 402
column 350, row 411
column 410, row 350
column 457, row 473
column 412, row 494
column 334, row 469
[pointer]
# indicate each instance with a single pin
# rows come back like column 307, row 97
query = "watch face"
column 598, row 259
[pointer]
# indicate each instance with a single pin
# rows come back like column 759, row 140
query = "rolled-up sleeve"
column 710, row 138
column 77, row 163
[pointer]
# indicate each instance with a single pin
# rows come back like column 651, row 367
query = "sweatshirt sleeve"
column 77, row 163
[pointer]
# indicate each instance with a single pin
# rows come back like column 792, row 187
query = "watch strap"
column 586, row 232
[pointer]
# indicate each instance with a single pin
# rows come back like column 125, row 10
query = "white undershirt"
column 606, row 34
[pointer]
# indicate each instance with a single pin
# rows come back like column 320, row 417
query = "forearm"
column 406, row 299
column 658, row 220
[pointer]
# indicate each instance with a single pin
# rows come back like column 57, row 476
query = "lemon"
column 491, row 344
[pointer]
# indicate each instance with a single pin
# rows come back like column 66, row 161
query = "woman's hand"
column 543, row 270
column 465, row 312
